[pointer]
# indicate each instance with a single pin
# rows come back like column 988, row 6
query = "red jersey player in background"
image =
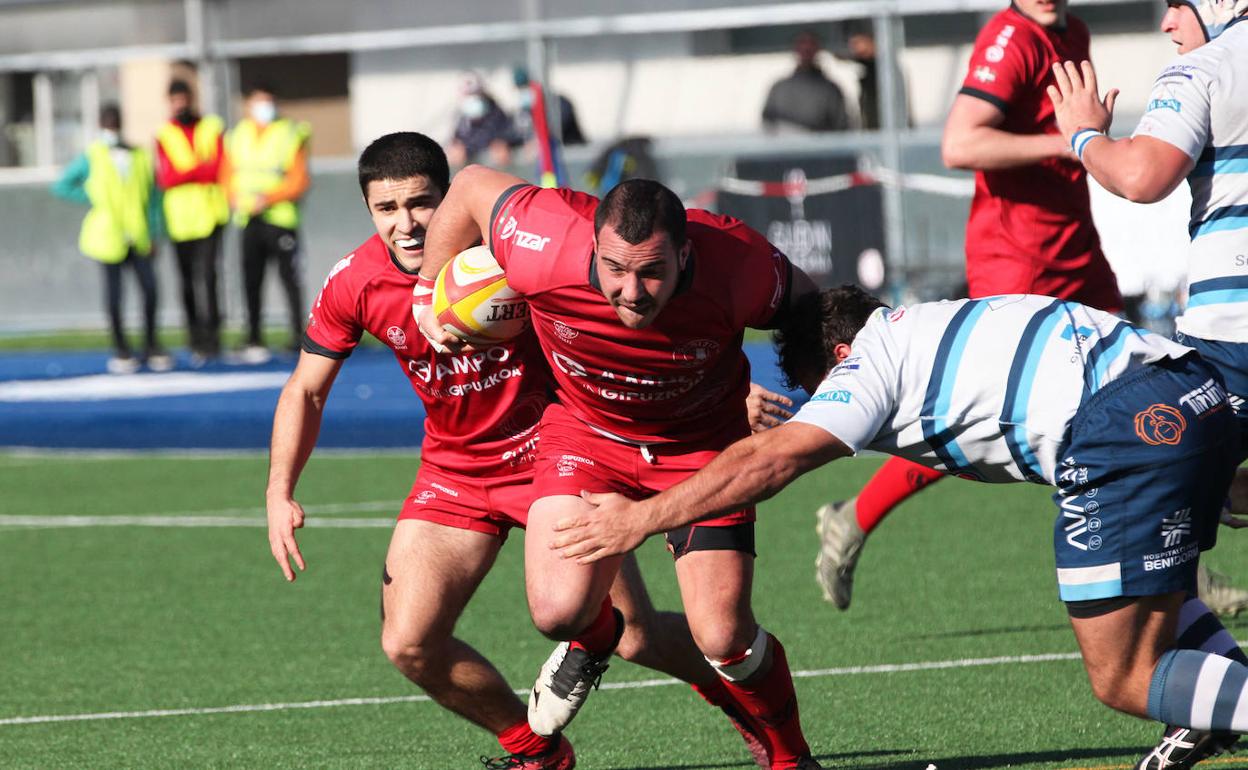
column 474, row 482
column 1030, row 229
column 640, row 307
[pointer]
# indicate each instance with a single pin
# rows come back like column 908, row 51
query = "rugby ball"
column 472, row 300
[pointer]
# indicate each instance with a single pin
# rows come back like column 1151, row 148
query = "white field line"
column 228, row 517
column 887, row 668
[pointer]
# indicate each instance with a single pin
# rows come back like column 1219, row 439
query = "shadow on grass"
column 887, row 759
column 1106, row 755
column 971, row 632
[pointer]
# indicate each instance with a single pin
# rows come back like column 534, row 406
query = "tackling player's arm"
column 973, row 139
column 461, row 220
column 1142, row 169
column 296, row 424
column 750, row 470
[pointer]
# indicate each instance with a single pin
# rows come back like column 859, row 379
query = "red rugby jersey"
column 1038, row 213
column 482, row 408
column 682, row 378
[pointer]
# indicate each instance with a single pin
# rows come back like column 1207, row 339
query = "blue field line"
column 66, row 401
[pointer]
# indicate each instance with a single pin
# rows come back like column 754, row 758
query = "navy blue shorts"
column 1231, row 361
column 1141, row 481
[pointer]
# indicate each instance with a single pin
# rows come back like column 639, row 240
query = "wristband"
column 1080, row 140
column 422, row 292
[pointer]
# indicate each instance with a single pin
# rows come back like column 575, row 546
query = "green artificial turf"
column 108, row 619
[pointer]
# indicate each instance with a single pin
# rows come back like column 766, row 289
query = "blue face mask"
column 263, row 111
column 474, row 107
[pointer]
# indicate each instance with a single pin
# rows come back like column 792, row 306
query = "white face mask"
column 110, row 137
column 474, row 107
column 263, row 111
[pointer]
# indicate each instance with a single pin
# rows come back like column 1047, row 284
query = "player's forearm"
column 464, row 215
column 296, row 425
column 990, row 149
column 744, row 474
column 1126, row 167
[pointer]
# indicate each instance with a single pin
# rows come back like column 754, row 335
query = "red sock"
column 520, row 739
column 896, row 480
column 770, row 699
column 717, row 694
column 599, row 639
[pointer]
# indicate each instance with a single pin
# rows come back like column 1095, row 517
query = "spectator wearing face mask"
column 115, row 180
column 267, row 174
column 481, row 127
column 189, row 149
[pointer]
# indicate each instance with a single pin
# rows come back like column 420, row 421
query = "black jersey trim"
column 312, row 346
column 995, row 101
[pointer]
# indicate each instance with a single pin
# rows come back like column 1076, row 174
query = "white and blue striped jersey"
column 980, row 388
column 1199, row 104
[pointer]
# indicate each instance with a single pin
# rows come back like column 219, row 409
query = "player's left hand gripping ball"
column 471, row 299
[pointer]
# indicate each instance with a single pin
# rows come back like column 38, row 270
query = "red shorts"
column 1094, row 285
column 573, row 457
column 492, row 505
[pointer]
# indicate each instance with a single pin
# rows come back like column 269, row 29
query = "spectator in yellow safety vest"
column 189, row 150
column 115, row 180
column 266, row 173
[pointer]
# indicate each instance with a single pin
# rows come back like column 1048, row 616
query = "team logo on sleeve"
column 1160, row 424
column 997, row 52
column 835, row 396
column 985, row 74
column 397, row 337
column 695, row 352
column 509, row 229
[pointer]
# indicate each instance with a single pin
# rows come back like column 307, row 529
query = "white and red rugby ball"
column 472, row 300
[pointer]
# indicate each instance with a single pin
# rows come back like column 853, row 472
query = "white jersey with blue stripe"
column 980, row 388
column 1199, row 104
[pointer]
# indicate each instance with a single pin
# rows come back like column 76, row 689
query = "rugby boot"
column 1218, row 594
column 840, row 543
column 564, row 683
column 1182, row 747
column 561, row 757
column 807, row 763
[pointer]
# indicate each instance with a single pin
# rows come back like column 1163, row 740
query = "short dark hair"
column 815, row 324
column 110, row 116
column 404, row 155
column 179, row 86
column 635, row 208
column 262, row 86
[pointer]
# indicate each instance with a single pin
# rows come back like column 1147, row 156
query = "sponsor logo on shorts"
column 425, row 496
column 565, row 332
column 1175, row 527
column 397, row 337
column 1160, row 424
column 695, row 352
column 1156, row 562
column 1081, row 521
column 446, row 489
column 1236, row 402
column 1206, row 399
column 569, row 464
column 835, row 396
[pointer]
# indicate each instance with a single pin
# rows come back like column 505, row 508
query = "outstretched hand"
column 608, row 528
column 766, row 409
column 1077, row 103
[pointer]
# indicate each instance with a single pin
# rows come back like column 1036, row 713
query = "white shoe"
column 840, row 544
column 564, row 683
column 255, row 354
column 159, row 362
column 1218, row 594
column 123, row 365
